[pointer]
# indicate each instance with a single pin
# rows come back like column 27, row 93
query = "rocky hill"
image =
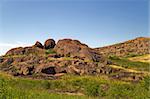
column 67, row 56
column 70, row 68
column 138, row 46
column 51, row 60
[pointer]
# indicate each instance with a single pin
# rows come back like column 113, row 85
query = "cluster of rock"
column 71, row 57
column 138, row 46
column 38, row 48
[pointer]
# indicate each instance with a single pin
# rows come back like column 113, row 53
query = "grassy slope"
column 131, row 70
column 22, row 88
column 128, row 63
column 94, row 86
column 143, row 58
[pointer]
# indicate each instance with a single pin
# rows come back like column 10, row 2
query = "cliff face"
column 136, row 46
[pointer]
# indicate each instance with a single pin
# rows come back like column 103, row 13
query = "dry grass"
column 130, row 70
column 144, row 58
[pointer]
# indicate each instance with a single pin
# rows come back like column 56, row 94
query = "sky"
column 94, row 22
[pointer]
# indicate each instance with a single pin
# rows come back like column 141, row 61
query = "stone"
column 74, row 48
column 38, row 44
column 33, row 50
column 25, row 51
column 1, row 59
column 8, row 61
column 16, row 51
column 50, row 43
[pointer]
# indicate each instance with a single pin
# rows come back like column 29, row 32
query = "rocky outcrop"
column 25, row 51
column 32, row 64
column 71, row 57
column 38, row 44
column 73, row 48
column 67, row 56
column 136, row 46
column 50, row 43
column 16, row 51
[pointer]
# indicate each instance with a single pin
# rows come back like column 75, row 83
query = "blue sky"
column 94, row 22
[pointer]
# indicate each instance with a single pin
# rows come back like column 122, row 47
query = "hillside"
column 51, row 61
column 70, row 69
column 66, row 57
column 138, row 46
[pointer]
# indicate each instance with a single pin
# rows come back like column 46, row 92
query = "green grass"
column 124, row 62
column 94, row 87
column 50, row 51
column 11, row 88
column 132, row 55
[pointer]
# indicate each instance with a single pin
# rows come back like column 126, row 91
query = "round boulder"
column 50, row 43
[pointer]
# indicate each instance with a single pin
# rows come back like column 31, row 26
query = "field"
column 89, row 87
column 79, row 87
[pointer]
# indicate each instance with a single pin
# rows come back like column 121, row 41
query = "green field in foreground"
column 92, row 87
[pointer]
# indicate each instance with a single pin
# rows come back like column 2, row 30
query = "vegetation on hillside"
column 90, row 86
column 34, row 67
column 141, row 58
column 50, row 51
column 124, row 62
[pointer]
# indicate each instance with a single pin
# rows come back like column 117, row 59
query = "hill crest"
column 137, row 46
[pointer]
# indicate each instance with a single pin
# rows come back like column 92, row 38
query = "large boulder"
column 68, row 47
column 74, row 48
column 34, row 50
column 50, row 43
column 38, row 44
column 25, row 51
column 16, row 51
column 91, row 55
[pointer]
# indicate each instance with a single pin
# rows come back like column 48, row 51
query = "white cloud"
column 4, row 47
